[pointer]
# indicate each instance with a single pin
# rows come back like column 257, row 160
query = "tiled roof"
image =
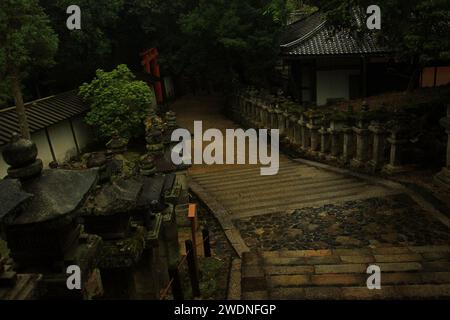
column 42, row 113
column 312, row 36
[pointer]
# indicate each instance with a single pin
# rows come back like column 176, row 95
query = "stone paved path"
column 407, row 273
column 308, row 207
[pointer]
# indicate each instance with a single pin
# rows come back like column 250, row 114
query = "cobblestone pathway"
column 389, row 221
column 305, row 207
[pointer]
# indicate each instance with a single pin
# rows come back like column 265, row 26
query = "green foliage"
column 26, row 37
column 416, row 29
column 291, row 107
column 214, row 41
column 5, row 95
column 281, row 9
column 118, row 102
column 232, row 39
column 84, row 51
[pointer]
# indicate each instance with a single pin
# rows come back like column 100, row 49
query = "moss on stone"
column 4, row 251
column 123, row 253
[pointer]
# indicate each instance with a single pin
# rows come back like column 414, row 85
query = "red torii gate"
column 150, row 63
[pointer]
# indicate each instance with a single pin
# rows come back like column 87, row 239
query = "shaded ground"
column 390, row 221
column 213, row 271
column 209, row 110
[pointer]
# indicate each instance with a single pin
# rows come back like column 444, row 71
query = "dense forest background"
column 214, row 41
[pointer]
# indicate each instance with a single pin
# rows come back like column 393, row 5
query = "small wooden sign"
column 192, row 213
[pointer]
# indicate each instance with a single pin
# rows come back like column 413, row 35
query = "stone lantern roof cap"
column 56, row 194
column 12, row 198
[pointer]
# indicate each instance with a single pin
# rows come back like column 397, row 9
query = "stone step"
column 421, row 291
column 338, row 197
column 283, row 162
column 307, row 204
column 287, row 186
column 292, row 202
column 257, row 178
column 426, row 254
column 292, row 167
column 407, row 272
column 299, row 194
column 291, row 181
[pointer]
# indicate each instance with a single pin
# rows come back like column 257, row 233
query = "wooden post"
column 192, row 215
column 193, row 274
column 206, row 243
column 177, row 289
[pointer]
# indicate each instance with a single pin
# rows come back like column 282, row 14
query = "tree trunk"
column 20, row 107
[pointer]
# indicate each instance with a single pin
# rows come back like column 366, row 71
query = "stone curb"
column 234, row 281
column 222, row 215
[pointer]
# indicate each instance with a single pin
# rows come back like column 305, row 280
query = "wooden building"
column 321, row 66
column 56, row 124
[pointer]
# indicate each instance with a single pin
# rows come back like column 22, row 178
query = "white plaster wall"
column 44, row 152
column 333, row 84
column 62, row 141
column 3, row 165
column 83, row 132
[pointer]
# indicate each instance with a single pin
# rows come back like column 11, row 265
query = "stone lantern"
column 293, row 129
column 278, row 118
column 335, row 131
column 379, row 145
column 362, row 133
column 313, row 126
column 116, row 145
column 39, row 221
column 14, row 286
column 171, row 120
column 304, row 132
column 21, row 155
column 398, row 140
column 325, row 142
column 443, row 178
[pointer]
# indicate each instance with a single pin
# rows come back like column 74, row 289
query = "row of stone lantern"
column 119, row 228
column 354, row 139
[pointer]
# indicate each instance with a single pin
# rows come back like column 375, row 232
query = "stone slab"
column 12, row 197
column 57, row 193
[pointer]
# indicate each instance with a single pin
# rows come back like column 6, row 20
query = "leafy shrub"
column 118, row 103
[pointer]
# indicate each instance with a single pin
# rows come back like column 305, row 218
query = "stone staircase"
column 406, row 273
column 245, row 193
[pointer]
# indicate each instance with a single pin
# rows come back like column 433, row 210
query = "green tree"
column 232, row 39
column 82, row 52
column 416, row 30
column 118, row 102
column 27, row 41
